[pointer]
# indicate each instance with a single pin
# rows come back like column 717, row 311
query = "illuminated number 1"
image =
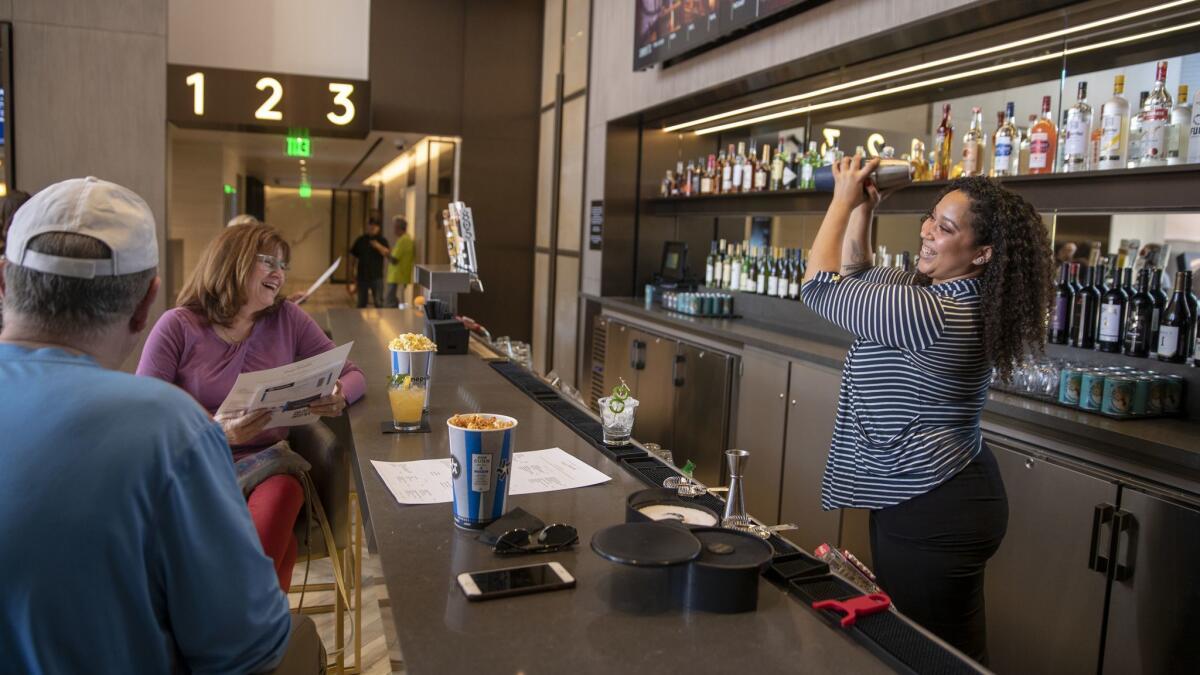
column 197, row 80
column 267, row 110
column 341, row 97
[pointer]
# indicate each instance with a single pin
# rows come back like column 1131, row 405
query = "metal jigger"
column 735, row 503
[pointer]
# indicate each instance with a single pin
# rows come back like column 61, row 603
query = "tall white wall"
column 303, row 37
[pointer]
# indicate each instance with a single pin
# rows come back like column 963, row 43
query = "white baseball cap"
column 91, row 207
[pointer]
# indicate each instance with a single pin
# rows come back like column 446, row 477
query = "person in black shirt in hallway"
column 370, row 251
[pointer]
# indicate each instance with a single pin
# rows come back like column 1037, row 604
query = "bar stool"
column 325, row 446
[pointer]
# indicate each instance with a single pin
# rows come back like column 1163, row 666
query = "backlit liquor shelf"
column 1141, row 190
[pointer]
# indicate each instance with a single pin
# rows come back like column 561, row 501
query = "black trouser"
column 929, row 553
column 375, row 286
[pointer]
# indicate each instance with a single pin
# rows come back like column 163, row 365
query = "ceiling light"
column 1008, row 46
column 944, row 79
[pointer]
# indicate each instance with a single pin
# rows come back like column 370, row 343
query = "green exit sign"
column 299, row 146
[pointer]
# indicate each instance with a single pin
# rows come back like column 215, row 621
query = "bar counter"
column 575, row 630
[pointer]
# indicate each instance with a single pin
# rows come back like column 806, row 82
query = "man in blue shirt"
column 127, row 545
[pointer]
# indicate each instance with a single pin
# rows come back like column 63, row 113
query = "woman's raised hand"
column 851, row 178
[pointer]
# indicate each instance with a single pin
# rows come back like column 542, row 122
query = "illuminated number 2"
column 196, row 80
column 342, row 97
column 267, row 110
column 830, row 135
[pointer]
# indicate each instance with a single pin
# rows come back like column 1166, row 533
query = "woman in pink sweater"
column 230, row 319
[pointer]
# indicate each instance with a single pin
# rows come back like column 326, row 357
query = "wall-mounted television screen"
column 669, row 30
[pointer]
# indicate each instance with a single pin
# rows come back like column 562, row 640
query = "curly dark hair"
column 1018, row 283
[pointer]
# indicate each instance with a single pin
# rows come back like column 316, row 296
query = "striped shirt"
column 913, row 385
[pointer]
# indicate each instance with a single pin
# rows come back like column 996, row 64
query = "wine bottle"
column 1060, row 321
column 709, row 264
column 1139, row 318
column 1159, row 299
column 1085, row 308
column 1177, row 322
column 1112, row 316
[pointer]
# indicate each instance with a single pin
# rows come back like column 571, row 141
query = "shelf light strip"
column 1008, row 46
column 947, row 78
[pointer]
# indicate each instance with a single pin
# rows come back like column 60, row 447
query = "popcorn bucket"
column 480, row 470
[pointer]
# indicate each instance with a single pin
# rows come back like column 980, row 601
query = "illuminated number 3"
column 267, row 110
column 342, row 97
column 196, row 80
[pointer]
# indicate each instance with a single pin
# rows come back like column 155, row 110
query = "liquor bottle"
column 1139, row 318
column 972, row 154
column 664, row 189
column 1005, row 144
column 686, row 188
column 1177, row 322
column 726, row 161
column 1155, row 116
column 943, row 139
column 1077, row 134
column 1058, row 158
column 1060, row 320
column 917, row 159
column 1084, row 311
column 706, row 177
column 1136, row 134
column 739, row 162
column 777, row 167
column 781, row 274
column 1193, row 148
column 1180, row 129
column 710, row 264
column 1113, row 308
column 1114, row 120
column 1159, row 299
column 758, row 273
column 833, row 153
column 1043, row 139
column 726, row 265
column 1023, row 158
column 763, row 169
column 697, row 176
column 748, row 167
column 789, row 171
column 747, row 276
column 736, row 268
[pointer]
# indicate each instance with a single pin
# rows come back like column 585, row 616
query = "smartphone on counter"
column 489, row 584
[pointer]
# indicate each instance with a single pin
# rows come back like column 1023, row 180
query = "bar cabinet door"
column 761, row 417
column 812, row 407
column 1044, row 605
column 618, row 356
column 654, row 359
column 702, row 383
column 1154, row 604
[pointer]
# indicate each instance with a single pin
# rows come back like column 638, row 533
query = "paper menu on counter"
column 288, row 389
column 427, row 481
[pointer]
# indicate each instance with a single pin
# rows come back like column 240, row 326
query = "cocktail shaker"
column 891, row 173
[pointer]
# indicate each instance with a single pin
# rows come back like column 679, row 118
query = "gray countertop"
column 1165, row 451
column 563, row 631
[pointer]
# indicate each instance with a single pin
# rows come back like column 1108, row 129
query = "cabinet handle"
column 637, row 357
column 1124, row 532
column 793, row 401
column 1029, row 464
column 675, row 374
column 781, row 396
column 1102, row 515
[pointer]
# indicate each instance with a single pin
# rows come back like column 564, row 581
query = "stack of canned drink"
column 698, row 303
column 1121, row 391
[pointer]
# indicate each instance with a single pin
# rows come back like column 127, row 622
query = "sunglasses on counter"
column 555, row 537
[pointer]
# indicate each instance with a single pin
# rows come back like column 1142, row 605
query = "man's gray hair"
column 61, row 305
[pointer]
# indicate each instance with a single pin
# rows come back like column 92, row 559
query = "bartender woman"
column 906, row 441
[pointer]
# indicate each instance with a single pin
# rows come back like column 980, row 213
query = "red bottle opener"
column 862, row 605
